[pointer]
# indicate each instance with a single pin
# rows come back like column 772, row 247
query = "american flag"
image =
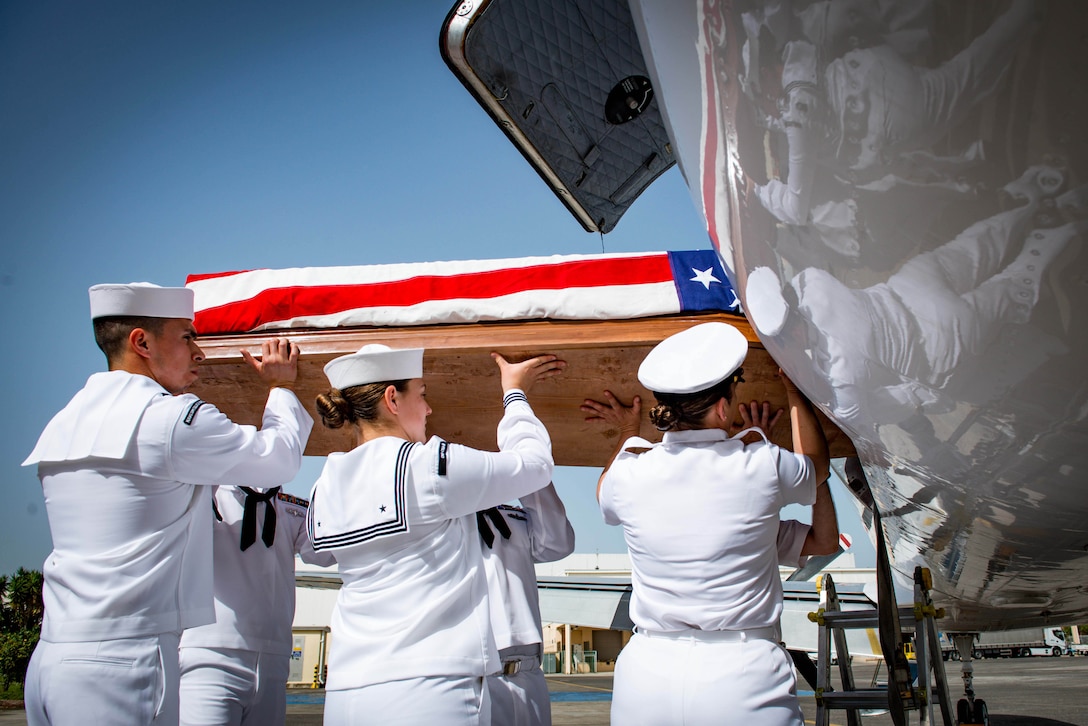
column 561, row 287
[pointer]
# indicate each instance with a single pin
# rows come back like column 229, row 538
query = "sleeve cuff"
column 514, row 394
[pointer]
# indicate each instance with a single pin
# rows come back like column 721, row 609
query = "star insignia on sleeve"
column 705, row 277
column 381, row 508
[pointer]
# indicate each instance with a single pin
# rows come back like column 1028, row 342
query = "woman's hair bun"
column 335, row 410
column 663, row 416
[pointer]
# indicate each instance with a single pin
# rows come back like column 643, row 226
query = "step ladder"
column 902, row 695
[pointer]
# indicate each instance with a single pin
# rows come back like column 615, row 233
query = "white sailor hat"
column 374, row 363
column 141, row 299
column 767, row 309
column 693, row 360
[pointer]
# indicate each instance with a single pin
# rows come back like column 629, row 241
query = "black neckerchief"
column 249, row 517
column 497, row 519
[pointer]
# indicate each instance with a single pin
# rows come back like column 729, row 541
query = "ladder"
column 902, row 694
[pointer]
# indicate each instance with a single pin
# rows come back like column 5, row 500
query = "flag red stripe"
column 213, row 275
column 284, row 303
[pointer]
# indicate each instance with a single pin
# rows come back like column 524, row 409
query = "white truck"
column 1017, row 643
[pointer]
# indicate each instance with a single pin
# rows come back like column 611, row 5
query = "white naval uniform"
column 700, row 517
column 539, row 532
column 790, row 542
column 234, row 671
column 411, row 635
column 131, row 565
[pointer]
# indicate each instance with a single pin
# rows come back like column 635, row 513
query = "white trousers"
column 522, row 698
column 687, row 682
column 127, row 681
column 224, row 686
column 435, row 701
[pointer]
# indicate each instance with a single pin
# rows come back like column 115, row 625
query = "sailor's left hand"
column 524, row 374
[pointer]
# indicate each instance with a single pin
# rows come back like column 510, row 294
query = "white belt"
column 715, row 636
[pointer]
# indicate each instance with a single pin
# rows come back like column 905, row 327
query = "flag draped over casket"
column 560, row 287
column 601, row 313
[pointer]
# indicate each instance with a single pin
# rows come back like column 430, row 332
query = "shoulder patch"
column 191, row 413
column 513, row 512
column 443, row 457
column 290, row 499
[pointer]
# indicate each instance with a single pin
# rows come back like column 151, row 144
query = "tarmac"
column 1019, row 692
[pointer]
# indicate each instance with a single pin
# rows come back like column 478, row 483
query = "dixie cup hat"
column 140, row 299
column 374, row 363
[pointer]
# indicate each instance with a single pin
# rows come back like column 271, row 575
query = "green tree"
column 21, row 612
column 24, row 605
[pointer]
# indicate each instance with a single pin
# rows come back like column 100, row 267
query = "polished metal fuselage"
column 898, row 190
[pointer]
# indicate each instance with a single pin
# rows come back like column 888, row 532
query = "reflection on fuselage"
column 898, row 188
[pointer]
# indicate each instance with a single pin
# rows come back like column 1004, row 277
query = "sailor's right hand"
column 613, row 412
column 277, row 365
column 756, row 415
column 524, row 374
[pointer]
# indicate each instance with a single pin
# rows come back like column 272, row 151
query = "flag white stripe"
column 599, row 303
column 216, row 291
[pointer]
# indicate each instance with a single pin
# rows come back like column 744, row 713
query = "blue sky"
column 147, row 141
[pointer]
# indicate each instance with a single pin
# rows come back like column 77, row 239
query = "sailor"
column 411, row 634
column 700, row 515
column 234, row 671
column 121, row 468
column 514, row 539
